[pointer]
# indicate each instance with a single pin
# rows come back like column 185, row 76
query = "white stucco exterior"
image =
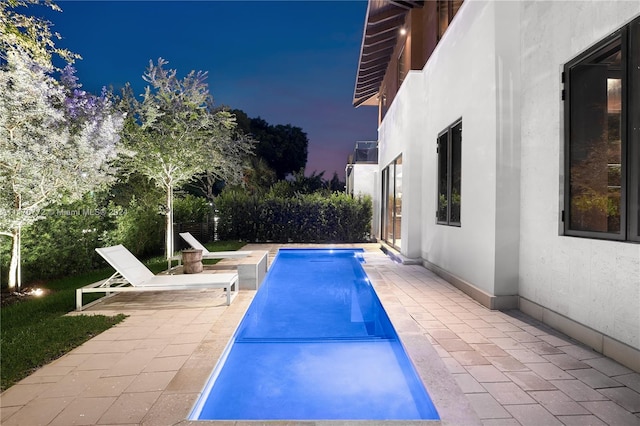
column 498, row 67
column 363, row 180
column 594, row 282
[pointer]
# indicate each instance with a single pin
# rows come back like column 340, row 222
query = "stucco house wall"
column 455, row 83
column 498, row 67
column 593, row 282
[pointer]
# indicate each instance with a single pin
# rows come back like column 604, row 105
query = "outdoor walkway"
column 480, row 366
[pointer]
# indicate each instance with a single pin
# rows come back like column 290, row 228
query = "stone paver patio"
column 481, row 367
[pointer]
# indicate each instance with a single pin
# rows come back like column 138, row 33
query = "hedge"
column 303, row 218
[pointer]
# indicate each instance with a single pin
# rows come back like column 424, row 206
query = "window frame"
column 629, row 39
column 448, row 131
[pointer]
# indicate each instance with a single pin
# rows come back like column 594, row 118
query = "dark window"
column 450, row 175
column 602, row 147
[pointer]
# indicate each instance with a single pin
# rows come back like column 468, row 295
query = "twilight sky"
column 289, row 62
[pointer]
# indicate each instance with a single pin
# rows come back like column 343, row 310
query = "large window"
column 450, row 175
column 602, row 141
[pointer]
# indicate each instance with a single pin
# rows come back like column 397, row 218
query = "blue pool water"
column 315, row 344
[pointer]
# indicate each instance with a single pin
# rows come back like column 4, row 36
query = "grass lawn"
column 36, row 331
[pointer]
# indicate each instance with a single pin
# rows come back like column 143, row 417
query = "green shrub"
column 63, row 241
column 139, row 227
column 191, row 209
column 300, row 218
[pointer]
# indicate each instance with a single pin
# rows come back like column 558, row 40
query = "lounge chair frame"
column 132, row 276
column 206, row 254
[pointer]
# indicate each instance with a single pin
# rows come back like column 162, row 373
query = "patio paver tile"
column 522, row 336
column 587, row 420
column 558, row 403
column 530, row 381
column 611, row 413
column 578, row 390
column 565, row 362
column 548, row 371
column 70, row 359
column 491, row 332
column 608, row 366
column 458, row 328
column 501, row 422
column 72, row 384
column 532, row 415
column 594, row 378
column 83, row 411
column 630, row 380
column 487, row 373
column 555, row 340
column 468, row 384
column 580, row 352
column 167, row 363
column 628, row 398
column 443, row 334
column 542, row 348
column 508, row 393
column 453, row 365
column 22, row 393
column 149, row 382
column 506, row 327
column 129, row 408
column 454, row 345
column 101, row 361
column 169, row 409
column 525, row 355
column 7, row 412
column 469, row 358
column 507, row 363
column 489, row 350
column 178, row 349
column 108, row 386
column 474, row 337
column 39, row 411
column 487, row 407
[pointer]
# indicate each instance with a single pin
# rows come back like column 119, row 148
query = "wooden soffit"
column 382, row 24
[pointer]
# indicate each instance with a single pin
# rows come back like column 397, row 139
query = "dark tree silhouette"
column 283, row 147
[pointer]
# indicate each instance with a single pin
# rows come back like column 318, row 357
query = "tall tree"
column 283, row 147
column 174, row 133
column 30, row 34
column 55, row 143
column 335, row 184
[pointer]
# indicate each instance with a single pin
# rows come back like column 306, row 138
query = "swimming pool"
column 315, row 344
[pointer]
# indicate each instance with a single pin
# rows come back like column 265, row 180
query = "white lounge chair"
column 132, row 275
column 206, row 254
column 252, row 264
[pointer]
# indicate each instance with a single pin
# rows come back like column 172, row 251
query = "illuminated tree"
column 56, row 141
column 175, row 134
column 30, row 34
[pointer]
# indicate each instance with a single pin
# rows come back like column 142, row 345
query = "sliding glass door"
column 392, row 203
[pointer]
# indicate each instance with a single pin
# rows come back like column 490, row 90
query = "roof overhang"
column 382, row 23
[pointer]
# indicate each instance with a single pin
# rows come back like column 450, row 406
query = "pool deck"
column 481, row 367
